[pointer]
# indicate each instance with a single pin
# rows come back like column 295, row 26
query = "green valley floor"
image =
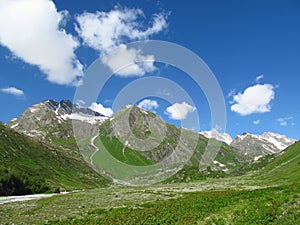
column 239, row 200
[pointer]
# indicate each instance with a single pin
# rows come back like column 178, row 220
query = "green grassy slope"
column 53, row 167
column 285, row 167
column 115, row 148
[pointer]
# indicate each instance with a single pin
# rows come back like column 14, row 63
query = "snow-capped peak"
column 281, row 142
column 254, row 145
column 224, row 137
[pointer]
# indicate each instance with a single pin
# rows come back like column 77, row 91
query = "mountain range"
column 50, row 122
column 253, row 146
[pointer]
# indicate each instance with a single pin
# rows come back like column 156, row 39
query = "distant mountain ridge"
column 257, row 146
column 253, row 146
column 50, row 120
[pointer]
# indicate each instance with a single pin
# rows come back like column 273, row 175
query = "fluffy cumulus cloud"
column 107, row 32
column 284, row 121
column 179, row 111
column 32, row 31
column 128, row 62
column 101, row 109
column 148, row 104
column 13, row 91
column 255, row 99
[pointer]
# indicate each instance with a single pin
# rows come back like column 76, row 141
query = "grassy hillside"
column 285, row 167
column 29, row 162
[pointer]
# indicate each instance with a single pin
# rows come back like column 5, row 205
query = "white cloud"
column 13, row 91
column 258, row 78
column 101, row 109
column 104, row 31
column 108, row 31
column 148, row 104
column 255, row 99
column 32, row 31
column 179, row 111
column 128, row 62
column 256, row 122
column 285, row 120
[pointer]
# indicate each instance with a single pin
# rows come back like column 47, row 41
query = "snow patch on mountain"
column 258, row 157
column 83, row 117
column 215, row 134
column 33, row 109
column 221, row 165
column 15, row 125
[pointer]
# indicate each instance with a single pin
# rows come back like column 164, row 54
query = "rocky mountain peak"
column 50, row 118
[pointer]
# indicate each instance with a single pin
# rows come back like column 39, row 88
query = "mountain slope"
column 54, row 167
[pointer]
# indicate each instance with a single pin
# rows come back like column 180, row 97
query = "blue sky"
column 252, row 47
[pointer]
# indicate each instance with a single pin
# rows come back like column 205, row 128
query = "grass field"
column 239, row 200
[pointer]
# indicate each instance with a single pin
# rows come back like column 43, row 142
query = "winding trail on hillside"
column 94, row 146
